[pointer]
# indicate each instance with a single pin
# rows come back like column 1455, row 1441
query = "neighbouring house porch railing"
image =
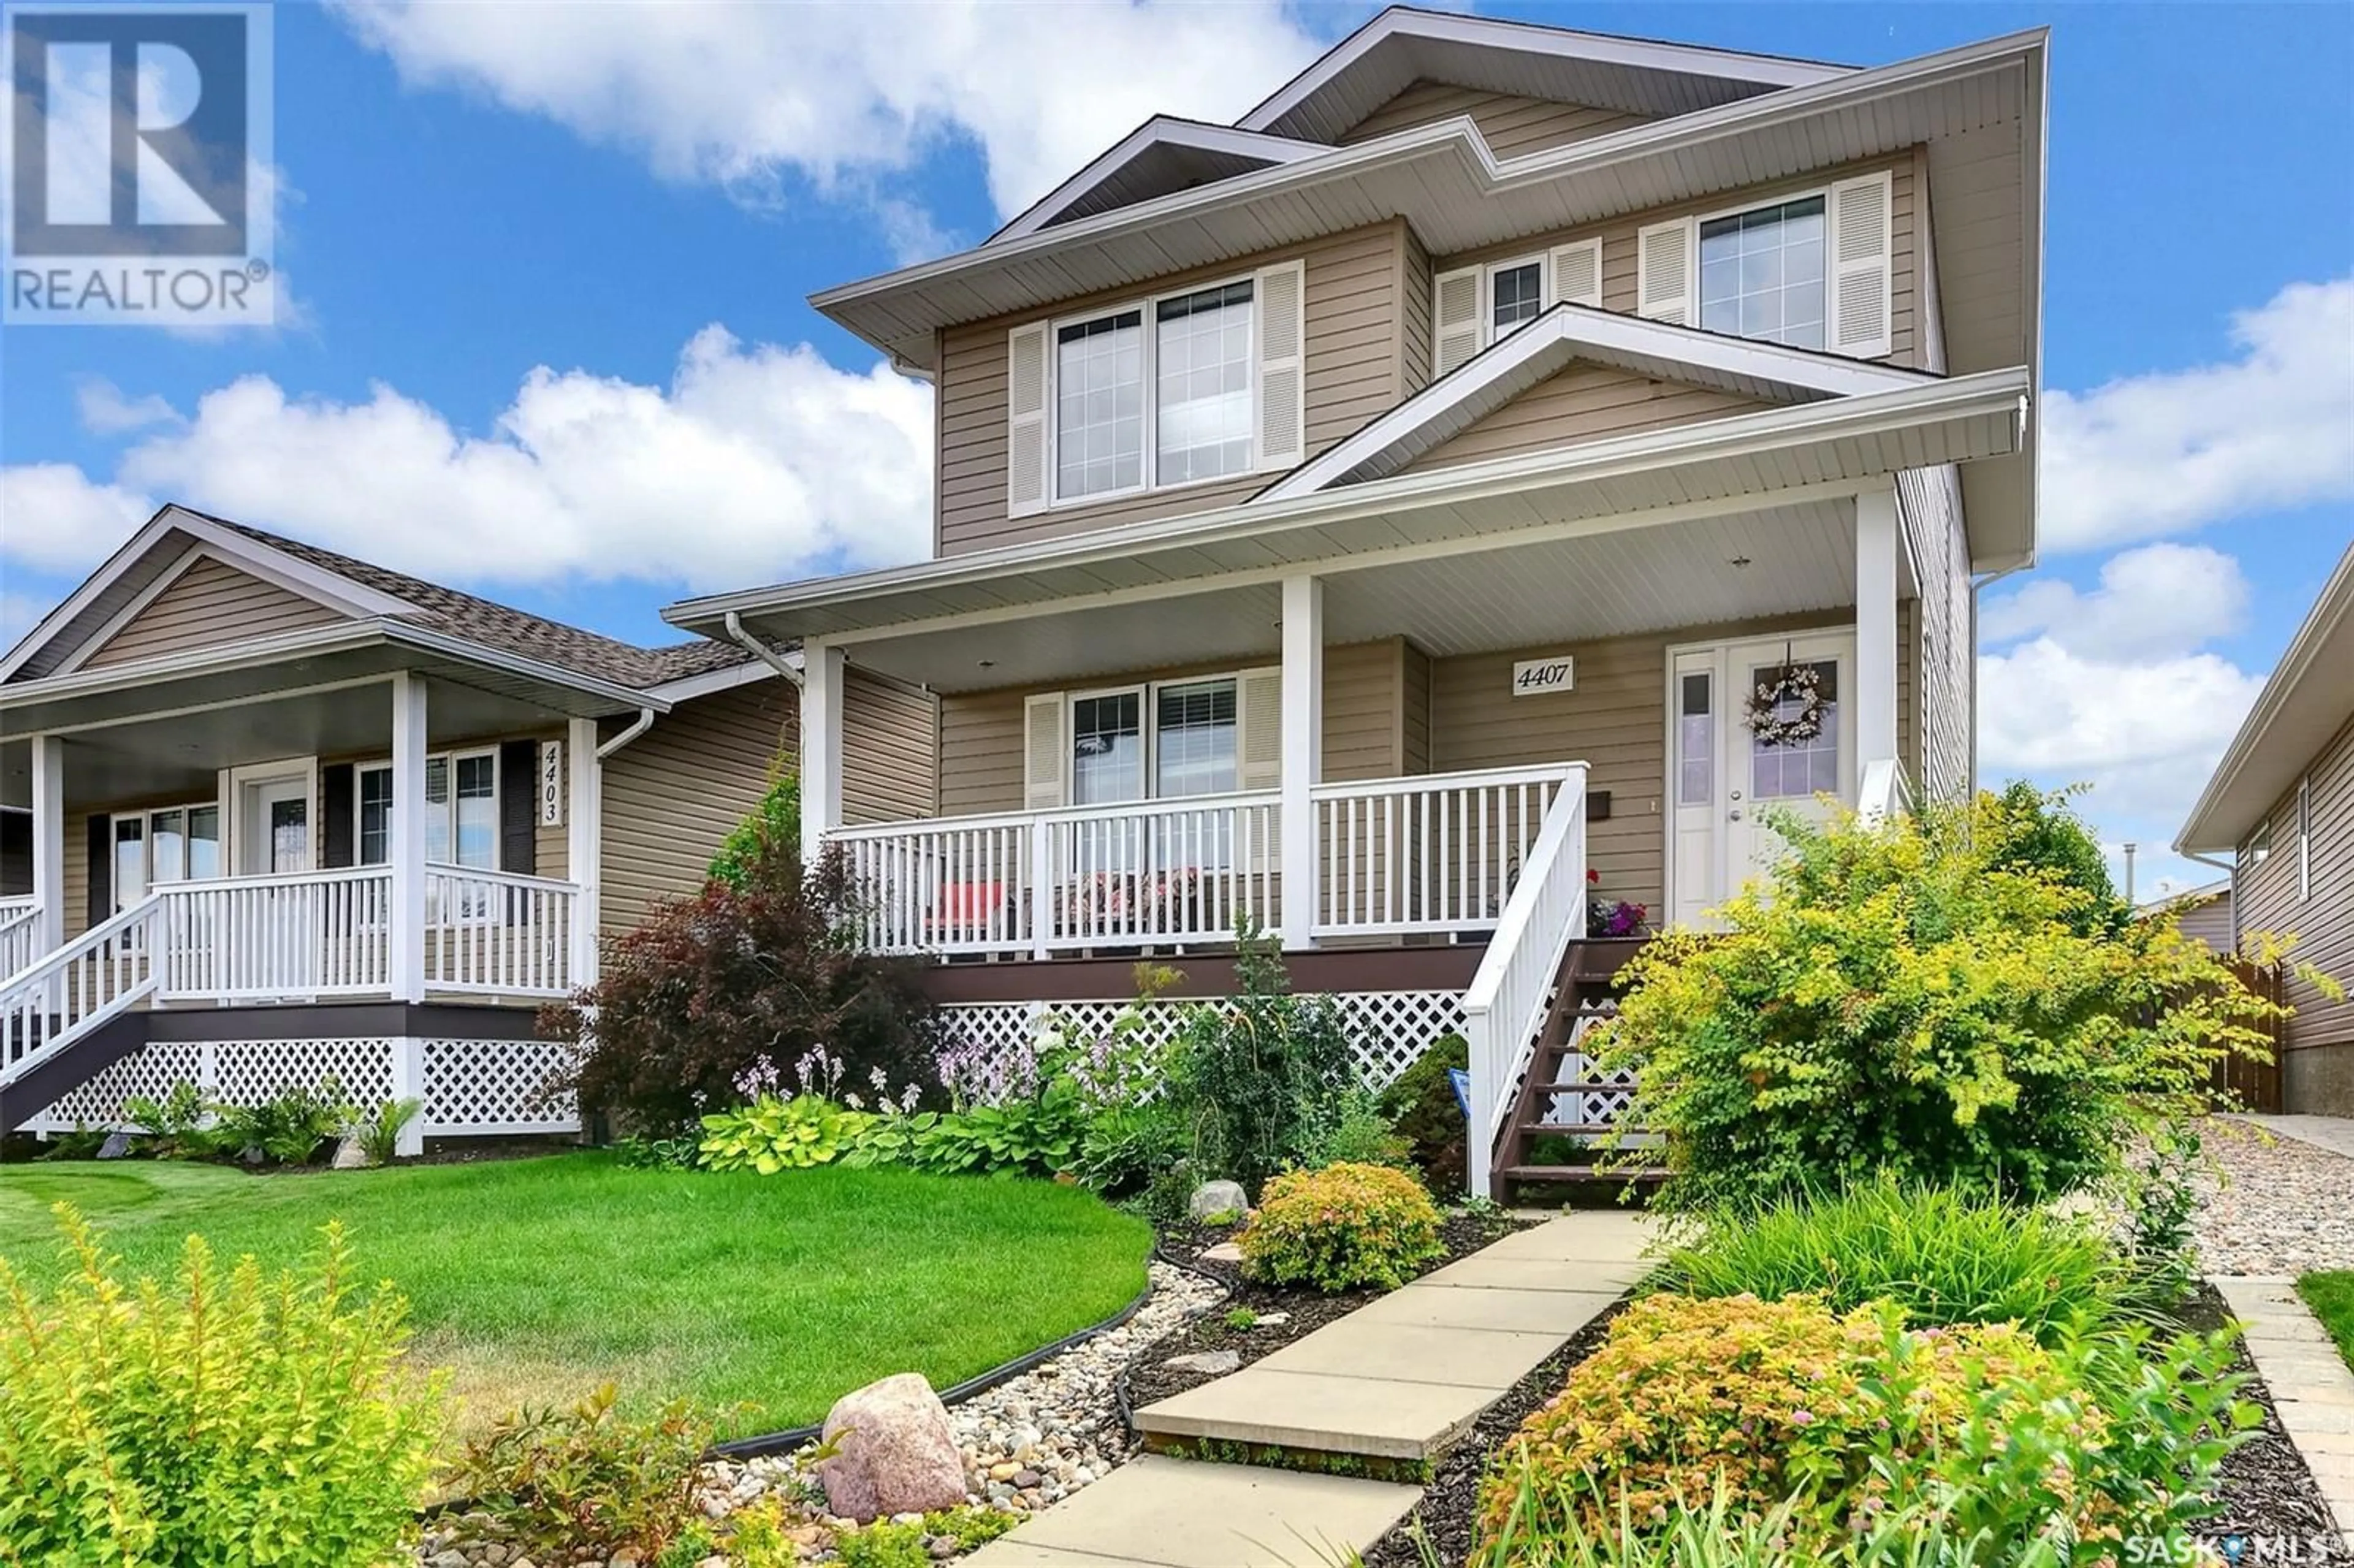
column 1431, row 854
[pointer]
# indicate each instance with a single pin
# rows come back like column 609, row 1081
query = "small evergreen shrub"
column 379, row 1135
column 1341, row 1228
column 558, row 1480
column 1421, row 1106
column 225, row 1417
column 1944, row 1256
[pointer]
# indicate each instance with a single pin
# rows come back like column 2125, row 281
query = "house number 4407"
column 1534, row 677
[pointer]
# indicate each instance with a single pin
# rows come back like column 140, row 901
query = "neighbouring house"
column 207, row 756
column 2281, row 805
column 2202, row 913
column 1505, row 452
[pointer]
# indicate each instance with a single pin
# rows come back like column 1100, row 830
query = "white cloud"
column 2155, row 600
column 742, row 95
column 2169, row 451
column 105, row 410
column 757, row 463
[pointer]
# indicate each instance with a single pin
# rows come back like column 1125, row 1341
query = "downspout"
column 638, row 726
column 759, row 650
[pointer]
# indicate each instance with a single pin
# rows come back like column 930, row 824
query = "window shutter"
column 1455, row 320
column 1025, row 419
column 1663, row 273
column 1282, row 293
column 339, row 805
column 100, row 836
column 1862, row 247
column 519, row 807
column 1043, row 748
column 1578, row 273
column 1258, row 729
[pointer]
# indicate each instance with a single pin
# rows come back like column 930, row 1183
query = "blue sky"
column 550, row 338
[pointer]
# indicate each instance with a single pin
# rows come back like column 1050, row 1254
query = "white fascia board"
column 1561, row 42
column 331, row 589
column 1161, row 130
column 1561, row 334
column 2322, row 651
column 712, row 681
column 312, row 643
column 1986, row 392
column 1846, row 92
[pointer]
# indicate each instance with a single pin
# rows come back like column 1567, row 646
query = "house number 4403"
column 1534, row 677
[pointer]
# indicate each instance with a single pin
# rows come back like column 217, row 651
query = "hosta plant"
column 773, row 1134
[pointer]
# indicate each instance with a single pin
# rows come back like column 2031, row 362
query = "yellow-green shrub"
column 1340, row 1228
column 1771, row 1400
column 230, row 1418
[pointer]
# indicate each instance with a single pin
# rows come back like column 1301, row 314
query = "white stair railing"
column 1505, row 1007
column 55, row 1000
column 20, row 934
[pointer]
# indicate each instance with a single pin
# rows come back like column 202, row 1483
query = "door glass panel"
column 1696, row 742
column 437, row 810
column 1800, row 769
column 290, row 834
column 203, row 842
column 130, row 862
column 376, row 816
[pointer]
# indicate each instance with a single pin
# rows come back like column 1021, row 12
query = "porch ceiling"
column 178, row 754
column 1560, row 592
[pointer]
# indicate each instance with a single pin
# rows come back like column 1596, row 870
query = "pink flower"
column 1802, row 1418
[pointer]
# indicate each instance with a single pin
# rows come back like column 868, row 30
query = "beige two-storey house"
column 1506, row 456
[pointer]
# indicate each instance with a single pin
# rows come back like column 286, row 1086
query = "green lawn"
column 537, row 1279
column 2331, row 1297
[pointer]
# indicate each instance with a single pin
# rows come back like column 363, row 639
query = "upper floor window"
column 1474, row 308
column 1516, row 297
column 1761, row 273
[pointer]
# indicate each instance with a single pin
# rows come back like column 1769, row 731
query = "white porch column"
column 407, row 846
column 584, row 783
column 49, row 840
column 1303, row 753
column 1875, row 627
column 821, row 682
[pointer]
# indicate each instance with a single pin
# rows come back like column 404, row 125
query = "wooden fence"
column 2240, row 1084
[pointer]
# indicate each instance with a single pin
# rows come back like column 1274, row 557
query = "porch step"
column 1643, row 1175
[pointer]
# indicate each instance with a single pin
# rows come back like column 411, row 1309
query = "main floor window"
column 1761, row 273
column 462, row 810
column 1134, row 408
column 172, row 843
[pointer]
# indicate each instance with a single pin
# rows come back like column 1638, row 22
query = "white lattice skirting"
column 471, row 1087
column 1387, row 1029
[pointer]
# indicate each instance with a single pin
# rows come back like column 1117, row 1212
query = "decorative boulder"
column 349, row 1155
column 894, row 1452
column 1217, row 1198
column 116, row 1146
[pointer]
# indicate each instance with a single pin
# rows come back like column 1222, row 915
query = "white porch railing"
column 59, row 999
column 1430, row 855
column 1509, row 997
column 493, row 931
column 1440, row 852
column 20, row 934
column 264, row 938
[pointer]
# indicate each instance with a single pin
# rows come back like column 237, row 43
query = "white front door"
column 1722, row 775
column 274, row 825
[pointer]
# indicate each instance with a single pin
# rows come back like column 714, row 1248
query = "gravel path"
column 2275, row 1206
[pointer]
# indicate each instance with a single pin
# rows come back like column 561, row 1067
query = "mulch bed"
column 2267, row 1489
column 1304, row 1311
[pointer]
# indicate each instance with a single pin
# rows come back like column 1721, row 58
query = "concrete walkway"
column 1397, row 1380
column 2310, row 1385
column 2334, row 1133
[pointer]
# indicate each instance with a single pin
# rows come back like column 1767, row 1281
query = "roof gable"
column 1633, row 76
column 1512, row 122
column 198, row 603
column 1160, row 157
column 1584, row 401
column 1631, row 352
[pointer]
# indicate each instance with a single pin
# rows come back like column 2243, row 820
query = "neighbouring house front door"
column 1725, row 777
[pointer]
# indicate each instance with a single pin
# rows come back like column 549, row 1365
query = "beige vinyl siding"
column 1414, row 711
column 981, row 733
column 2209, row 921
column 207, row 604
column 891, row 737
column 1931, row 503
column 2267, row 900
column 1618, row 242
column 1353, row 371
column 77, row 877
column 1614, row 720
column 672, row 795
column 1583, row 403
column 1512, row 124
column 1415, row 342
